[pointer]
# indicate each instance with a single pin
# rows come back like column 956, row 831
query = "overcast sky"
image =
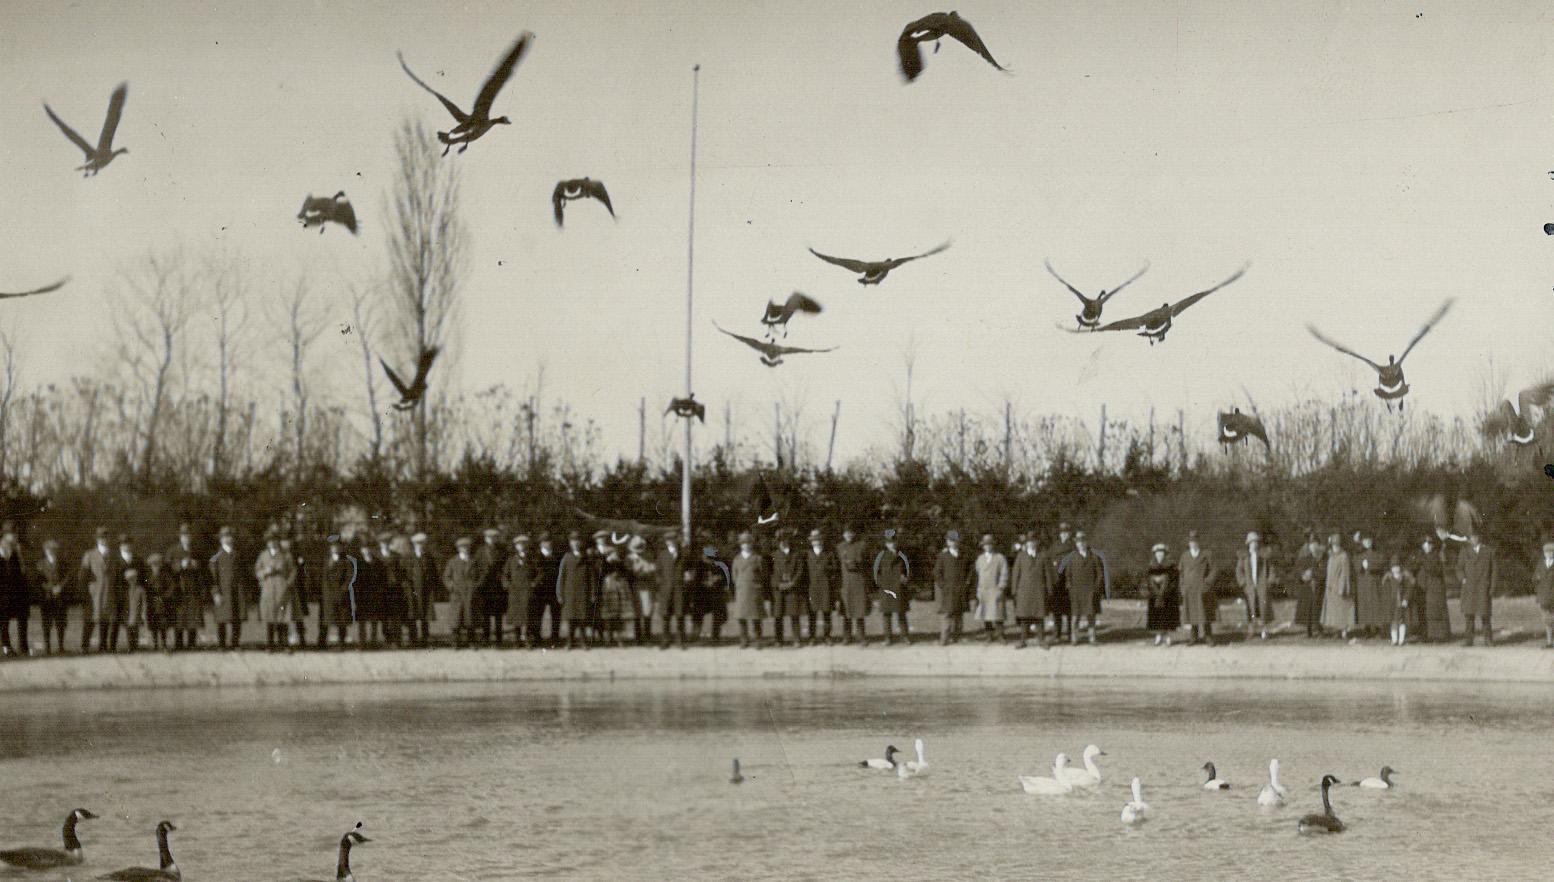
column 1367, row 160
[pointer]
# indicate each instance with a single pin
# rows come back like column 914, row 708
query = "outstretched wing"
column 1127, row 324
column 1465, row 518
column 624, row 525
column 758, row 345
column 424, row 365
column 1075, row 291
column 44, row 290
column 345, row 214
column 111, row 121
column 961, row 29
column 1503, row 420
column 910, row 54
column 857, row 266
column 69, row 132
column 1439, row 314
column 557, row 202
column 1113, row 292
column 452, row 108
column 1256, row 429
column 795, row 350
column 399, row 385
column 895, row 262
column 798, row 301
column 1538, row 395
column 1321, row 339
column 499, row 75
column 1180, row 306
column 596, row 190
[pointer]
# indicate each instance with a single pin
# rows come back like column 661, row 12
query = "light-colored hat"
column 638, row 544
column 419, row 538
column 1159, row 546
column 463, row 542
column 521, row 538
column 601, row 534
column 52, row 544
column 987, row 538
column 490, row 532
column 1253, row 537
column 746, row 537
column 1063, row 527
column 154, row 558
column 814, row 535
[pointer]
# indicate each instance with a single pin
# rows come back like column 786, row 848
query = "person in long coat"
column 1372, row 608
column 229, row 592
column 852, row 559
column 136, row 599
column 490, row 598
column 461, row 576
column 1543, row 589
column 1029, row 582
column 1256, row 575
column 643, row 570
column 1480, row 577
column 1402, row 590
column 336, row 594
column 547, row 573
column 1338, row 589
column 892, row 579
column 1057, row 584
column 15, row 595
column 791, row 593
column 1430, row 570
column 1161, row 577
column 49, row 584
column 95, row 576
column 671, row 591
column 518, row 574
column 749, row 572
column 1084, row 576
column 1310, row 565
column 370, row 588
column 391, row 599
column 276, row 572
column 575, row 589
column 823, row 586
column 161, row 600
column 127, row 609
column 714, row 581
column 189, row 593
column 614, row 598
column 952, row 581
column 422, row 579
column 1196, row 572
column 992, row 588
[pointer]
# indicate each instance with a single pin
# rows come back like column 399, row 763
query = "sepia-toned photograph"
column 697, row 440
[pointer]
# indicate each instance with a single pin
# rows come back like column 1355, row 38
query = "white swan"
column 888, row 763
column 1090, row 775
column 1053, row 786
column 913, row 768
column 1214, row 782
column 1272, row 794
column 1384, row 782
column 1137, row 811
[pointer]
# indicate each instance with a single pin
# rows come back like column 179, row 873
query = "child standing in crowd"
column 1401, row 589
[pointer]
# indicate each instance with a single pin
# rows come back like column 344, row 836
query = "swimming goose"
column 1514, row 419
column 1214, row 782
column 1090, row 312
column 889, row 762
column 771, row 353
column 1273, row 793
column 736, row 778
column 578, row 188
column 167, row 873
column 46, row 858
column 1390, row 384
column 1090, row 775
column 478, row 121
column 1053, row 786
column 917, row 767
column 1136, row 811
column 936, row 26
column 872, row 272
column 1326, row 822
column 44, row 290
column 411, row 394
column 1155, row 324
column 98, row 157
column 1237, row 426
column 354, row 836
column 319, row 210
column 1382, row 782
column 778, row 314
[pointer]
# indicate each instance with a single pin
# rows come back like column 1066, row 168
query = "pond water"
column 630, row 781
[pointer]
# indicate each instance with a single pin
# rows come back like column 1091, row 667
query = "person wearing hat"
column 1338, row 588
column 186, row 588
column 391, row 606
column 1256, row 575
column 369, row 591
column 822, row 579
column 422, row 577
column 490, row 596
column 752, row 590
column 713, row 581
column 1479, row 576
column 48, row 580
column 545, row 600
column 1164, row 614
column 613, row 595
column 518, row 575
column 791, row 594
column 892, row 580
column 228, row 593
column 1028, row 582
column 160, row 600
column 1196, row 573
column 461, row 576
column 276, row 573
column 852, row 560
column 129, row 603
column 1543, row 589
column 1372, row 603
column 336, row 594
column 1431, row 620
column 671, row 588
column 644, row 581
column 952, row 582
column 1057, row 581
column 1402, row 589
column 992, row 589
column 576, row 581
column 95, row 575
column 1310, row 564
column 1084, row 575
column 15, row 596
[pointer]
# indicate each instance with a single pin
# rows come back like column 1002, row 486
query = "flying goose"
column 778, row 314
column 97, row 158
column 764, row 503
column 319, row 210
column 167, row 873
column 872, row 272
column 771, row 353
column 1273, row 793
column 578, row 188
column 1548, row 229
column 44, row 290
column 1214, row 782
column 688, row 407
column 1457, row 525
column 1155, row 324
column 478, row 121
column 48, row 858
column 1090, row 313
column 1237, row 426
column 1390, row 385
column 410, row 395
column 354, row 836
column 1326, row 822
column 1514, row 418
column 936, row 26
column 1136, row 811
column 1381, row 782
column 624, row 526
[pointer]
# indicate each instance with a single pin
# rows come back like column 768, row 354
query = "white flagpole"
column 690, row 275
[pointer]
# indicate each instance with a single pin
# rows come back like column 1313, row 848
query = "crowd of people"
column 385, row 589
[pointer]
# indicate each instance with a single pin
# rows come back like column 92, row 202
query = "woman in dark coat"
column 1310, row 568
column 1165, row 598
column 1429, row 568
column 1372, row 608
column 892, row 578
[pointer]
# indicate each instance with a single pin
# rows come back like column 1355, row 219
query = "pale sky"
column 1367, row 161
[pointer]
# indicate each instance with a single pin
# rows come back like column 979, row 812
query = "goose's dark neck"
column 69, row 834
column 1327, row 805
column 343, row 863
column 162, row 849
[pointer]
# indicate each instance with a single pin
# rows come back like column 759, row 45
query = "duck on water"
column 1326, row 822
column 168, row 872
column 46, row 858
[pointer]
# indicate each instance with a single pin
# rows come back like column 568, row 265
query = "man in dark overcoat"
column 823, row 578
column 422, row 580
column 189, row 593
column 490, row 596
column 852, row 558
column 518, row 577
column 789, row 585
column 229, row 590
column 49, row 584
column 544, row 599
column 15, row 594
column 1057, row 599
column 337, row 594
column 952, row 582
column 892, row 579
column 1477, row 572
column 575, row 587
column 671, row 591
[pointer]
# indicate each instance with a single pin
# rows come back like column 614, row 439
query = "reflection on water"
column 629, row 781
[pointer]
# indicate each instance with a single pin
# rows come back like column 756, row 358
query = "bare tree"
column 362, row 318
column 301, row 322
column 427, row 259
column 154, row 303
column 227, row 300
column 8, row 370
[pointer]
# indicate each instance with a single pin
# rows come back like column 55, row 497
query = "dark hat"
column 1192, row 535
column 185, row 527
column 224, row 531
column 987, row 538
column 952, row 536
column 573, row 535
column 124, row 539
column 101, row 532
column 1394, row 562
column 1430, row 538
column 848, row 528
column 1027, row 538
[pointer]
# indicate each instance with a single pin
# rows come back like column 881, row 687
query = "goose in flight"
column 1237, row 426
column 478, row 121
column 778, row 314
column 687, row 407
column 1514, row 418
column 771, row 353
column 624, row 526
column 1390, row 384
column 872, row 272
column 319, row 210
column 98, row 157
column 410, row 395
column 44, row 290
column 578, row 188
column 1326, row 822
column 1155, row 324
column 1089, row 316
column 935, row 27
column 1455, row 524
